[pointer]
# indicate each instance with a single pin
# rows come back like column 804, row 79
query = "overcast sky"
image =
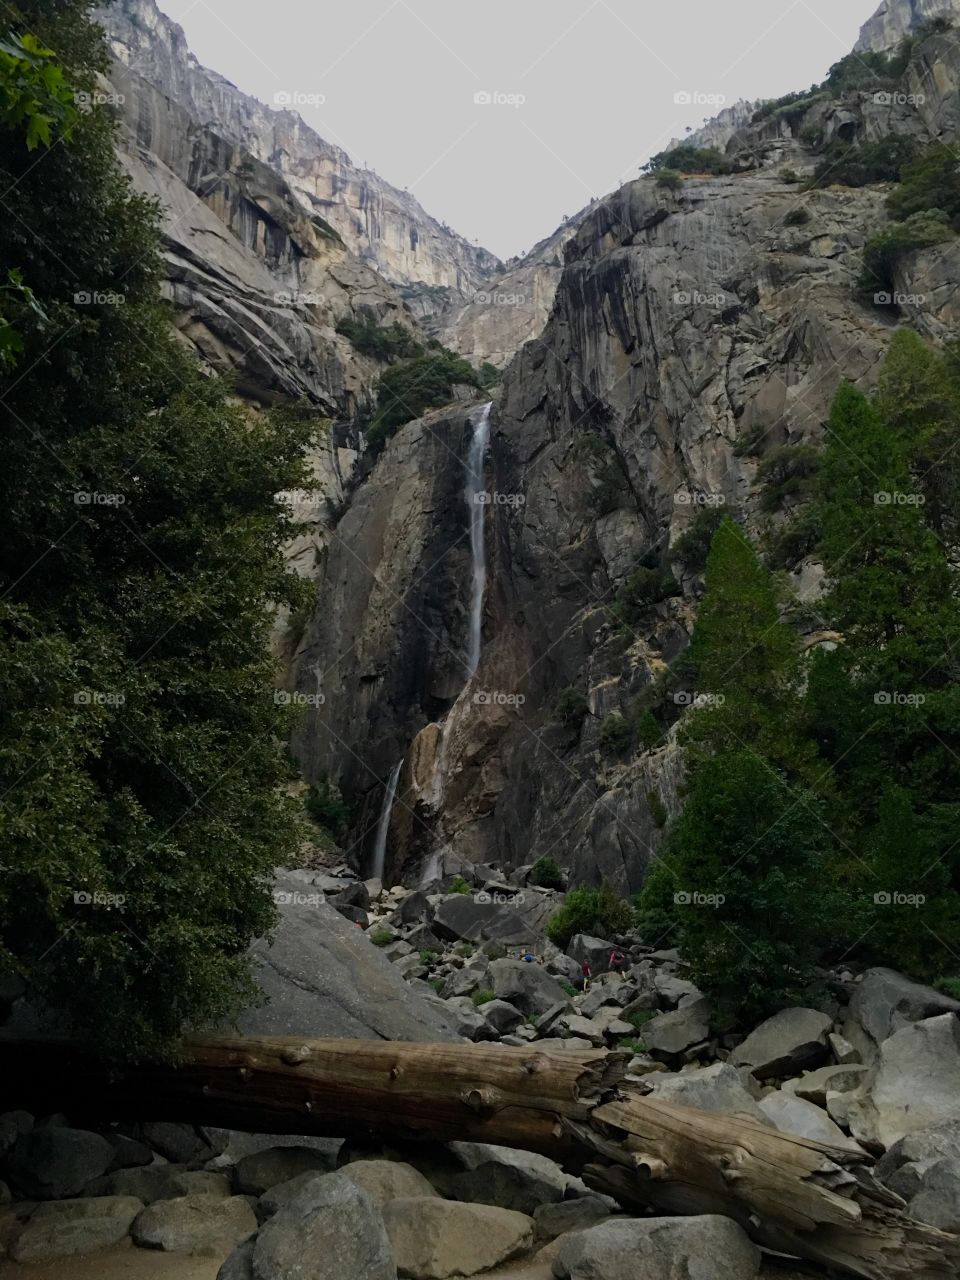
column 583, row 90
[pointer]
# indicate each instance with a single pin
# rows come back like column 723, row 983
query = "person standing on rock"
column 585, row 972
column 617, row 962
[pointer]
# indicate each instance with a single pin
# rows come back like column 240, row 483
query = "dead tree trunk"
column 801, row 1197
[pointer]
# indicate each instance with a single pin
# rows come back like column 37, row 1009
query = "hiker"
column 528, row 955
column 617, row 962
column 586, row 974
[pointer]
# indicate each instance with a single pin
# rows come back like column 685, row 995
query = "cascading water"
column 383, row 825
column 475, row 495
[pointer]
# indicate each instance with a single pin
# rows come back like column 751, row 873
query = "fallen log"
column 793, row 1195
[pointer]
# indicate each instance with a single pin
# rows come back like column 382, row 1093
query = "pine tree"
column 140, row 554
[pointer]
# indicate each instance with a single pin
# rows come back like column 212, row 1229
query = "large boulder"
column 714, row 1088
column 434, row 1239
column 260, row 1171
column 525, row 985
column 791, row 1114
column 667, row 1035
column 322, row 977
column 518, row 1180
column 196, row 1224
column 63, row 1228
column 477, row 918
column 701, row 1248
column 385, row 1180
column 552, row 1220
column 914, row 1085
column 331, row 1230
column 901, row 1167
column 793, row 1040
column 53, row 1162
column 160, row 1182
column 584, row 948
column 884, row 1001
column 937, row 1201
column 813, row 1086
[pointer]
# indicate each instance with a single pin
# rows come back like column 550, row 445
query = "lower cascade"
column 383, row 824
column 476, row 504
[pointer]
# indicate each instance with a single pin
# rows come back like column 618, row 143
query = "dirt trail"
column 123, row 1263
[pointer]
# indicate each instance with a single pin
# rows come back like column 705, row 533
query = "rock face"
column 380, row 224
column 897, row 18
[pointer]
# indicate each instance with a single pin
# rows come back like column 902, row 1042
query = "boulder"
column 499, row 1015
column 416, row 908
column 434, row 1239
column 937, row 1201
column 474, row 976
column 885, row 1000
column 672, row 989
column 195, row 1224
column 257, row 1173
column 13, row 1125
column 526, row 985
column 63, row 1228
column 178, row 1143
column 914, row 1085
column 669, row 1034
column 469, row 1021
column 385, row 1180
column 842, row 1050
column 53, row 1163
column 160, row 1182
column 789, row 1042
column 595, row 951
column 791, row 1114
column 920, row 1148
column 232, row 1145
column 331, row 1230
column 714, row 1088
column 702, row 1248
column 239, row 1265
column 476, row 918
column 520, row 1184
column 583, row 1028
column 552, row 1220
column 814, row 1086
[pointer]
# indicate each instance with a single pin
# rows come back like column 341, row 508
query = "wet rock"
column 64, row 1228
column 201, row 1224
column 789, row 1042
column 433, row 1239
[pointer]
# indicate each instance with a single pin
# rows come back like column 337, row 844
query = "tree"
column 140, row 556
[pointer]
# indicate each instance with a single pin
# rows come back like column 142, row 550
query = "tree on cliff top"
column 140, row 552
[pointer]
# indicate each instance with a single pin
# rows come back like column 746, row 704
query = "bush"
column 797, row 217
column 595, row 911
column 645, row 587
column 794, row 541
column 787, row 472
column 669, row 180
column 616, row 735
column 930, row 181
column 483, row 997
column 789, row 175
column 382, row 938
column 949, row 986
column 649, row 732
column 857, row 165
column 883, row 252
column 658, row 810
column 689, row 159
column 370, row 339
column 568, row 707
column 427, row 957
column 410, row 388
column 459, row 885
column 692, row 547
column 547, row 874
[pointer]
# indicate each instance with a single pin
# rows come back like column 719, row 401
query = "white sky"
column 398, row 79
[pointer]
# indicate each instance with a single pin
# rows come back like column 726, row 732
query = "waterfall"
column 383, row 825
column 477, row 508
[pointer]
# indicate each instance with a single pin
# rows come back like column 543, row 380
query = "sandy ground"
column 122, row 1263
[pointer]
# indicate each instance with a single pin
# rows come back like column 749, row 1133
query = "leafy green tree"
column 598, row 911
column 883, row 252
column 411, row 387
column 928, row 181
column 140, row 558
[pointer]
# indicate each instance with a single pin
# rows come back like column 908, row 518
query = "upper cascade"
column 386, row 227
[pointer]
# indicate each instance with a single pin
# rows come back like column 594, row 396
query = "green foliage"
column 616, row 735
column 607, row 477
column 949, row 987
column 598, row 911
column 658, row 810
column 466, row 949
column 411, row 387
column 427, row 957
column 640, row 1018
column 547, row 874
column 139, row 736
column 36, row 101
column 689, row 159
column 489, row 375
column 789, row 175
column 859, row 164
column 669, row 180
column 483, row 997
column 566, row 986
column 326, row 806
column 382, row 937
column 459, row 886
column 632, row 1045
column 650, row 583
column 798, row 217
column 787, row 472
column 390, row 343
column 795, row 540
column 691, row 549
column 864, row 70
column 883, row 252
column 929, row 181
column 649, row 733
column 752, row 441
column 569, row 706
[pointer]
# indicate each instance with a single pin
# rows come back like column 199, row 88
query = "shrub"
column 383, row 344
column 615, row 735
column 692, row 547
column 596, row 911
column 427, row 957
column 326, row 806
column 795, row 540
column 752, row 441
column 632, row 1044
column 930, row 181
column 649, row 732
column 645, row 587
column 857, row 165
column 566, row 986
column 547, row 874
column 382, row 938
column 789, row 175
column 883, row 252
column 569, row 706
column 658, row 810
column 797, row 217
column 669, row 180
column 413, row 386
column 459, row 885
column 949, row 986
column 640, row 1018
column 689, row 159
column 483, row 997
column 787, row 472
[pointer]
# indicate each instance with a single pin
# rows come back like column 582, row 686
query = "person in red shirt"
column 586, row 972
column 617, row 961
